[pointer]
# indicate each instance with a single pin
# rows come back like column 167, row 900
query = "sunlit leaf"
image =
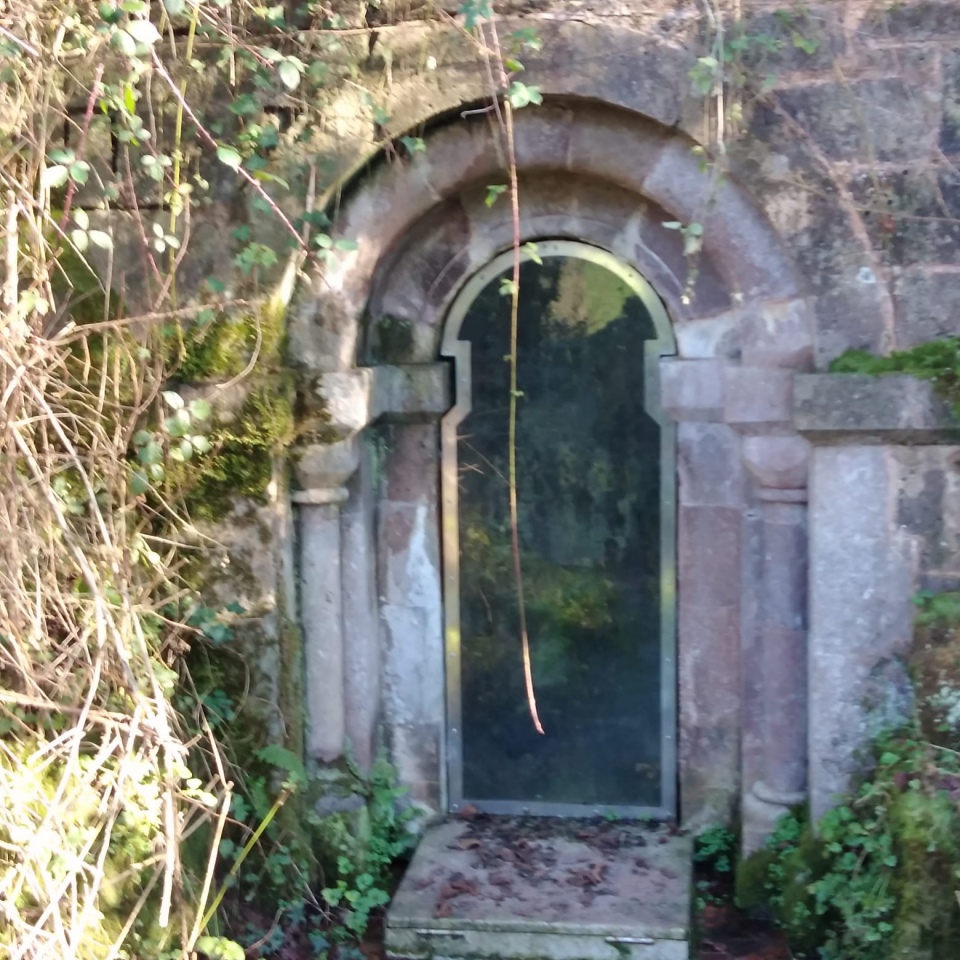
column 143, row 31
column 55, row 176
column 289, row 72
column 229, row 156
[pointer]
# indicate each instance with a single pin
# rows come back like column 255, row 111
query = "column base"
column 762, row 808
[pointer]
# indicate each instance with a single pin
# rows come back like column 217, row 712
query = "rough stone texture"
column 321, row 613
column 361, row 627
column 709, row 596
column 928, row 306
column 692, row 389
column 411, row 608
column 928, row 510
column 834, row 227
column 860, row 612
column 758, row 399
column 837, row 408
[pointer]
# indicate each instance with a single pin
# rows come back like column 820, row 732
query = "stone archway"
column 371, row 335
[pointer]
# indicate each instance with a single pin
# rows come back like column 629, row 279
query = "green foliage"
column 367, row 852
column 937, row 361
column 716, row 848
column 245, row 451
column 878, row 878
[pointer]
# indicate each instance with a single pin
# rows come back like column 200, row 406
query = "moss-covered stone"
column 223, row 346
column 246, row 448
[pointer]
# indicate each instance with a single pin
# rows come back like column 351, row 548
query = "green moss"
column 246, row 448
column 937, row 361
column 223, row 346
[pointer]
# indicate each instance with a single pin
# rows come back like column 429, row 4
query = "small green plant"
column 369, row 853
column 877, row 877
column 715, row 848
column 937, row 361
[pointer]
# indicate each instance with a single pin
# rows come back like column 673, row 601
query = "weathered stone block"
column 692, row 389
column 709, row 596
column 831, row 407
column 916, row 20
column 860, row 610
column 412, row 392
column 928, row 306
column 885, row 119
column 758, row 398
column 928, row 504
column 778, row 335
column 710, row 465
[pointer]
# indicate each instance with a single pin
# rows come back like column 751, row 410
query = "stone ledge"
column 832, row 408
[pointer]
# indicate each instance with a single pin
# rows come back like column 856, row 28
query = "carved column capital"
column 322, row 467
column 779, row 464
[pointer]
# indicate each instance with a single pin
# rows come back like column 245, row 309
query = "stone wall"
column 833, row 227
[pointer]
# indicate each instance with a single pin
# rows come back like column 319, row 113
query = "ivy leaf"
column 55, row 176
column 520, row 95
column 474, row 11
column 174, row 7
column 414, row 145
column 80, row 171
column 494, row 191
column 271, row 55
column 81, row 218
column 108, row 12
column 139, row 483
column 124, row 43
column 143, row 31
column 173, row 399
column 229, row 156
column 220, row 948
column 100, row 239
column 201, row 444
column 289, row 71
column 79, row 239
column 200, row 408
column 178, row 424
column 150, row 453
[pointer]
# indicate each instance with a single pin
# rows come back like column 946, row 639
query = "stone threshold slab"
column 544, row 889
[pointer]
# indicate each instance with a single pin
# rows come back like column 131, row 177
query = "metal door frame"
column 459, row 351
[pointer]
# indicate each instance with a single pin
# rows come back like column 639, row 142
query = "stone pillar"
column 321, row 472
column 362, row 659
column 779, row 466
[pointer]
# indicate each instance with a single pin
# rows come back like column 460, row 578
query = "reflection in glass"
column 588, row 462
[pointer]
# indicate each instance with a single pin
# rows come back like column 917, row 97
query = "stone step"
column 550, row 889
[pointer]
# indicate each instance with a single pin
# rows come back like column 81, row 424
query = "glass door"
column 595, row 491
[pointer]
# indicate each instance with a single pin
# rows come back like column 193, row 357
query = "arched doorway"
column 595, row 484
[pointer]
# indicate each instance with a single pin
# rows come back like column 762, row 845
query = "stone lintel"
column 412, row 391
column 353, row 399
column 848, row 408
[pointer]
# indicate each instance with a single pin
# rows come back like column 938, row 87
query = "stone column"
column 322, row 472
column 779, row 466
